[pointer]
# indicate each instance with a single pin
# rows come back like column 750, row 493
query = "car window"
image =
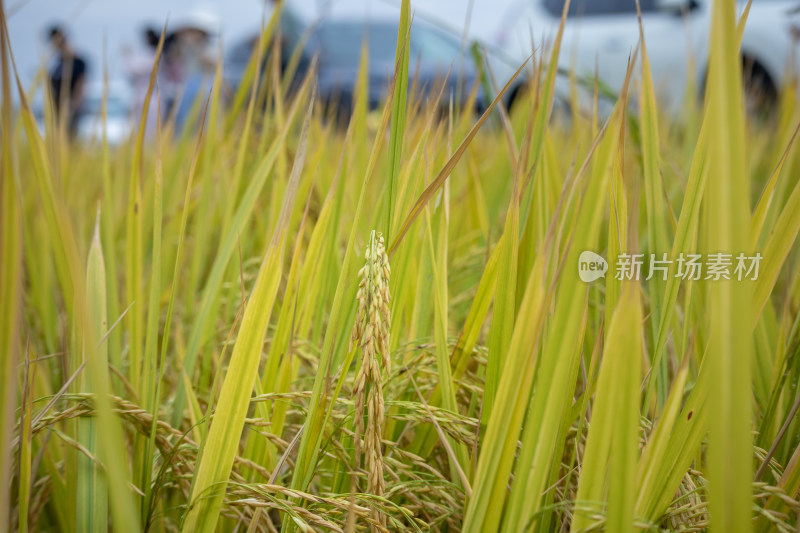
column 588, row 8
column 340, row 44
column 291, row 27
column 291, row 30
column 435, row 48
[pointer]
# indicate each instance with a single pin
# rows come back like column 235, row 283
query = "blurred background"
column 89, row 21
column 466, row 44
column 45, row 32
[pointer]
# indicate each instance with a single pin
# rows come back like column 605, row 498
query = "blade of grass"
column 225, row 252
column 92, row 487
column 10, row 282
column 445, row 172
column 219, row 449
column 504, row 310
column 134, row 247
column 777, row 250
column 339, row 320
column 108, row 227
column 109, row 437
column 612, row 444
column 25, row 448
column 730, row 348
column 398, row 121
column 556, row 377
column 438, row 247
column 655, row 205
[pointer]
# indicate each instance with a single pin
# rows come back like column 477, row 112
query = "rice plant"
column 200, row 329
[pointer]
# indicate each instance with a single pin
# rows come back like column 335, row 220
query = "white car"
column 602, row 34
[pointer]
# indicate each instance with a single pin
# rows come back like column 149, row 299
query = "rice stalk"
column 11, row 289
column 371, row 334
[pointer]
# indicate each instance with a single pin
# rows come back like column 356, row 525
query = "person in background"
column 139, row 65
column 192, row 61
column 67, row 79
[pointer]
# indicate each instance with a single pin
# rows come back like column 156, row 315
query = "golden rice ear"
column 371, row 334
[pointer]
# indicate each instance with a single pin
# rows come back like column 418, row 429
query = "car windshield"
column 588, row 8
column 291, row 30
column 340, row 45
column 434, row 48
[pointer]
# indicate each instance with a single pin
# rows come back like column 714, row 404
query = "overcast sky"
column 88, row 21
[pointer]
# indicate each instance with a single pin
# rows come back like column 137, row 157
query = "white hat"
column 200, row 19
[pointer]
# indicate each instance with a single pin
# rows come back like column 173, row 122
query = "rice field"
column 270, row 322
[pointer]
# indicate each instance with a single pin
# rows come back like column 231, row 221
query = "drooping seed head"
column 371, row 334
